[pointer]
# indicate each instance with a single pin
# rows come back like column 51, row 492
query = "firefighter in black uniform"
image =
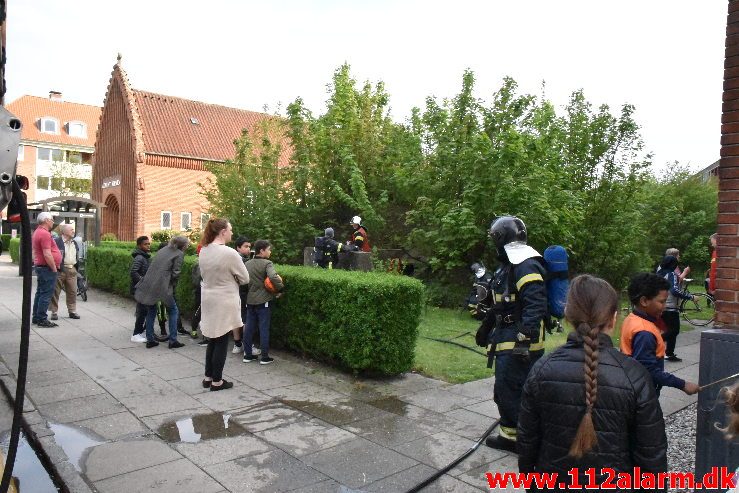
column 479, row 300
column 326, row 250
column 513, row 329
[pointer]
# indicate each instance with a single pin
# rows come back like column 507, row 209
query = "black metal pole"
column 20, row 390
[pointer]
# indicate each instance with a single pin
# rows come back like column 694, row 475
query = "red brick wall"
column 174, row 190
column 27, row 168
column 727, row 279
column 115, row 155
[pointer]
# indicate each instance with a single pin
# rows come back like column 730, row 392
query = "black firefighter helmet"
column 507, row 229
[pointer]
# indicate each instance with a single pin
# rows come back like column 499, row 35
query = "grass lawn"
column 455, row 364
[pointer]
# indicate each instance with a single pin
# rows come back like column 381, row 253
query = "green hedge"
column 130, row 245
column 364, row 322
column 5, row 239
column 15, row 249
column 356, row 320
column 124, row 245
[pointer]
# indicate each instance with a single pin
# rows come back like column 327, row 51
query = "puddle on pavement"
column 391, row 404
column 75, row 442
column 28, row 472
column 337, row 413
column 194, row 429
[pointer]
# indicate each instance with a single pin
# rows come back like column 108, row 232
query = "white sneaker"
column 237, row 349
column 138, row 338
column 255, row 350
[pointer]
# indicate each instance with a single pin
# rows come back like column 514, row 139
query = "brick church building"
column 150, row 153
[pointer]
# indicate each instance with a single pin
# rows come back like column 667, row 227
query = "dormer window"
column 194, row 120
column 49, row 125
column 77, row 129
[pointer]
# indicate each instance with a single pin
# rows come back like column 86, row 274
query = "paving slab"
column 358, row 463
column 179, row 476
column 237, row 398
column 342, row 411
column 305, row 393
column 55, row 377
column 115, row 426
column 112, row 459
column 270, row 416
column 269, row 379
column 389, row 430
column 265, row 473
column 64, row 391
column 328, row 485
column 405, row 480
column 209, row 452
column 81, row 408
column 486, row 408
column 165, row 401
column 477, row 389
column 305, row 437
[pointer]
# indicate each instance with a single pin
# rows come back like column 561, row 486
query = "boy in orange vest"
column 641, row 338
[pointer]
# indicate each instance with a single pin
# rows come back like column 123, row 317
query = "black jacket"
column 627, row 416
column 139, row 267
column 243, row 288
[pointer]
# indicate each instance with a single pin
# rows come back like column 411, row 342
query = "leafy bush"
column 5, row 239
column 131, row 245
column 15, row 249
column 124, row 245
column 109, row 269
column 108, row 237
column 165, row 235
column 359, row 321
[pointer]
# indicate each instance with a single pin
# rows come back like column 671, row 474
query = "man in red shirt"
column 46, row 261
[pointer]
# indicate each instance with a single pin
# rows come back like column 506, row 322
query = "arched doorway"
column 111, row 216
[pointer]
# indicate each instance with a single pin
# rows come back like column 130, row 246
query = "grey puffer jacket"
column 627, row 415
column 259, row 269
column 161, row 278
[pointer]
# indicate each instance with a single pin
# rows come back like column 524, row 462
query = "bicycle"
column 695, row 310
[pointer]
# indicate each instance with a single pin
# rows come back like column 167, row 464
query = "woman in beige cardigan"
column 222, row 271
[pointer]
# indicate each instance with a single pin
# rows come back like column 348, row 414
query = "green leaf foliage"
column 15, row 249
column 364, row 322
column 578, row 176
column 109, row 269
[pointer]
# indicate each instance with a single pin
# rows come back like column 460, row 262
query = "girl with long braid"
column 586, row 405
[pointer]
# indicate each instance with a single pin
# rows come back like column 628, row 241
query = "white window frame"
column 21, row 152
column 45, row 119
column 48, row 182
column 182, row 221
column 204, row 218
column 83, row 125
column 161, row 220
column 51, row 155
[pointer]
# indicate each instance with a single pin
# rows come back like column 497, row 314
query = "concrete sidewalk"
column 114, row 416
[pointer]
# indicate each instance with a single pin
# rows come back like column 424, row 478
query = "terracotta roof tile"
column 30, row 109
column 181, row 127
